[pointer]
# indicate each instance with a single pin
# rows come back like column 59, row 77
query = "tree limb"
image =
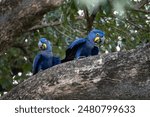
column 137, row 26
column 17, row 20
column 51, row 24
column 141, row 10
column 119, row 75
column 141, row 4
column 137, row 7
column 89, row 19
column 36, row 27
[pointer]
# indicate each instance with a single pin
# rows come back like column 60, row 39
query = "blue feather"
column 36, row 64
column 84, row 47
column 45, row 58
column 56, row 60
column 77, row 42
column 95, row 51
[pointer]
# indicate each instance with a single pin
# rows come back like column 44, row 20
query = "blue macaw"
column 44, row 59
column 84, row 47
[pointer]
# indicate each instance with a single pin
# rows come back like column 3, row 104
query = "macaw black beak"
column 42, row 46
column 97, row 39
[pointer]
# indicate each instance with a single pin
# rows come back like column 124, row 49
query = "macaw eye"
column 97, row 34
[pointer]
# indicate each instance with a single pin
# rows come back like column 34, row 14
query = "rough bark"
column 119, row 75
column 17, row 16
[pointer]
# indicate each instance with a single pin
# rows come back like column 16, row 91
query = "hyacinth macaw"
column 84, row 47
column 44, row 59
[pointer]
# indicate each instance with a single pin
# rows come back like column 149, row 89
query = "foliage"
column 124, row 31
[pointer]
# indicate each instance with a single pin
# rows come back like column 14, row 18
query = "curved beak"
column 42, row 46
column 97, row 39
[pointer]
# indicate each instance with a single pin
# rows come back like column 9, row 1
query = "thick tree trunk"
column 17, row 16
column 119, row 75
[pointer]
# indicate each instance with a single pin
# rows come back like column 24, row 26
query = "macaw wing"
column 95, row 51
column 77, row 42
column 56, row 60
column 72, row 49
column 36, row 63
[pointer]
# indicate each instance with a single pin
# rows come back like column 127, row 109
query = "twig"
column 51, row 24
column 132, row 23
column 141, row 10
column 139, row 5
column 45, row 25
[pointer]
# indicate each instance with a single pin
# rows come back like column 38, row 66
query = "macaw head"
column 44, row 44
column 96, row 36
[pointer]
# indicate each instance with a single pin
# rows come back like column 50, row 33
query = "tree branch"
column 51, row 24
column 137, row 7
column 36, row 27
column 119, row 75
column 137, row 26
column 89, row 19
column 17, row 20
column 141, row 10
column 141, row 4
